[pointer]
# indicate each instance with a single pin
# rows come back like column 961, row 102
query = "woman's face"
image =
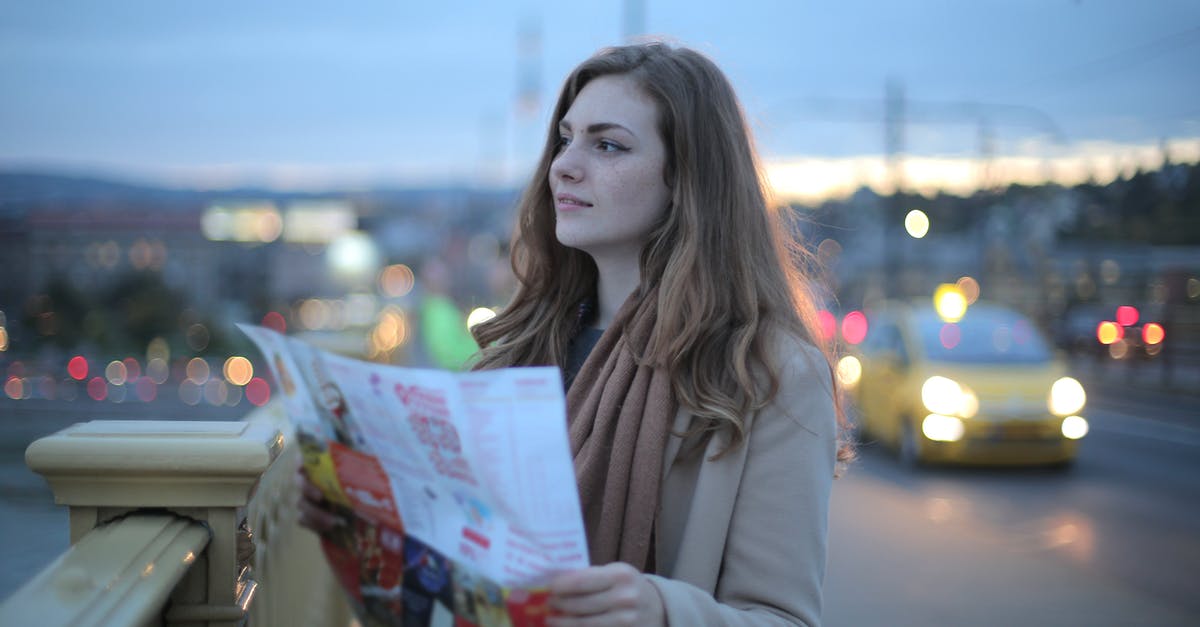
column 607, row 177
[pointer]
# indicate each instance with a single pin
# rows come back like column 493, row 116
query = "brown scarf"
column 620, row 413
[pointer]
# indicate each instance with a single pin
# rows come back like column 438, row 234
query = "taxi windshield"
column 984, row 335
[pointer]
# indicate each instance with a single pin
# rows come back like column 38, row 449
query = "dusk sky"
column 307, row 94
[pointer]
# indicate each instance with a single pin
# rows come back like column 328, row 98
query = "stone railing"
column 177, row 523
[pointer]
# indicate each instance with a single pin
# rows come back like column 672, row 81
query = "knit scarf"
column 620, row 414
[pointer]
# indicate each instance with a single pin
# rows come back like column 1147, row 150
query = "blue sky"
column 303, row 92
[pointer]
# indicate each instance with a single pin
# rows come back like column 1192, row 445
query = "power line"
column 1121, row 60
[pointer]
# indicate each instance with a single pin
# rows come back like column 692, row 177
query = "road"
column 1115, row 540
column 1111, row 541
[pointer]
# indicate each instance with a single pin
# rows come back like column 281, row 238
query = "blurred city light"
column 849, row 370
column 854, row 327
column 77, row 367
column 1152, row 333
column 942, row 428
column 251, row 222
column 115, row 373
column 828, row 324
column 941, row 395
column 159, row 349
column 3, row 339
column 14, row 388
column 314, row 314
column 1066, row 397
column 1108, row 332
column 197, row 371
column 238, row 370
column 1074, row 427
column 274, row 320
column 1127, row 316
column 916, row 223
column 157, row 370
column 353, row 258
column 478, row 315
column 950, row 335
column 1193, row 288
column 317, row 222
column 190, row 392
column 97, row 388
column 396, row 280
column 969, row 288
column 950, row 303
column 197, row 337
column 147, row 389
column 258, row 392
column 133, row 370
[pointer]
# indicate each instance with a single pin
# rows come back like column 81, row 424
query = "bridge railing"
column 177, row 523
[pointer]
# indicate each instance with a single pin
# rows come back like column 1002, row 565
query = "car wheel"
column 910, row 449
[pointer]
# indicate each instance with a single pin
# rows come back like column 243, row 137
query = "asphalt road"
column 1111, row 541
column 1115, row 540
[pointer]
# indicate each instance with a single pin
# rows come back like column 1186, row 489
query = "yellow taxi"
column 983, row 388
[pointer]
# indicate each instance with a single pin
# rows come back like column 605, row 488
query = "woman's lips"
column 567, row 202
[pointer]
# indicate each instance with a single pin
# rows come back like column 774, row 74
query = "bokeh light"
column 828, row 324
column 197, row 371
column 158, row 348
column 849, row 370
column 258, row 392
column 1118, row 349
column 1153, row 333
column 14, row 388
column 1193, row 288
column 969, row 288
column 197, row 337
column 396, row 280
column 950, row 303
column 854, row 327
column 314, row 314
column 1127, row 315
column 97, row 388
column 950, row 335
column 158, row 370
column 275, row 321
column 133, row 369
column 1109, row 332
column 77, row 367
column 916, row 223
column 216, row 392
column 478, row 315
column 3, row 339
column 190, row 392
column 147, row 389
column 115, row 373
column 238, row 370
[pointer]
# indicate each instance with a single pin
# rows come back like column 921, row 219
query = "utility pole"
column 893, row 142
column 633, row 21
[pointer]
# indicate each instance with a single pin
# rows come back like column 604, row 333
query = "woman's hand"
column 613, row 594
column 314, row 509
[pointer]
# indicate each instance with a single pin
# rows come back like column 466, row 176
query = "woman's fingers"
column 313, row 510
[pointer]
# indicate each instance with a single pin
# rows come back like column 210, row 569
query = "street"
column 1110, row 541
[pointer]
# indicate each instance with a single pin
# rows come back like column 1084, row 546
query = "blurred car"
column 984, row 389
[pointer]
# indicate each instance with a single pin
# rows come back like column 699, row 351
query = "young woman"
column 701, row 401
column 702, row 405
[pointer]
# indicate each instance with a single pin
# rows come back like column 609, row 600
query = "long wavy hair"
column 728, row 271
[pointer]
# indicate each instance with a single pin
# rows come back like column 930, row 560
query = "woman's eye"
column 610, row 146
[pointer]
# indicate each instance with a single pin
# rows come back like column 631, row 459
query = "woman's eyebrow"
column 598, row 127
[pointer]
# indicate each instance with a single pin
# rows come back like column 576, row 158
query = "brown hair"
column 727, row 270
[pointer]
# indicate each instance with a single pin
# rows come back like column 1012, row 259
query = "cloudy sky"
column 305, row 94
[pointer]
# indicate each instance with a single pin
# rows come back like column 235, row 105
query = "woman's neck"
column 619, row 276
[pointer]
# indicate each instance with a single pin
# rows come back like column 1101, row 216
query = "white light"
column 942, row 428
column 354, row 258
column 1074, row 427
column 941, row 395
column 1066, row 397
column 849, row 370
column 479, row 314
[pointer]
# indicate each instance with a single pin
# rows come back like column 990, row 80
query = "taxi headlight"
column 942, row 428
column 1066, row 397
column 1074, row 427
column 948, row 397
column 849, row 370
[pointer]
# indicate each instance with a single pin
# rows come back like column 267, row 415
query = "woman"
column 703, row 422
column 703, row 416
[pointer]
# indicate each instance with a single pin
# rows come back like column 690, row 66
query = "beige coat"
column 741, row 540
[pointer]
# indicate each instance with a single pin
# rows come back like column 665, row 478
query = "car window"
column 984, row 335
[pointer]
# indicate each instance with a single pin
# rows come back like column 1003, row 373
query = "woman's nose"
column 566, row 165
